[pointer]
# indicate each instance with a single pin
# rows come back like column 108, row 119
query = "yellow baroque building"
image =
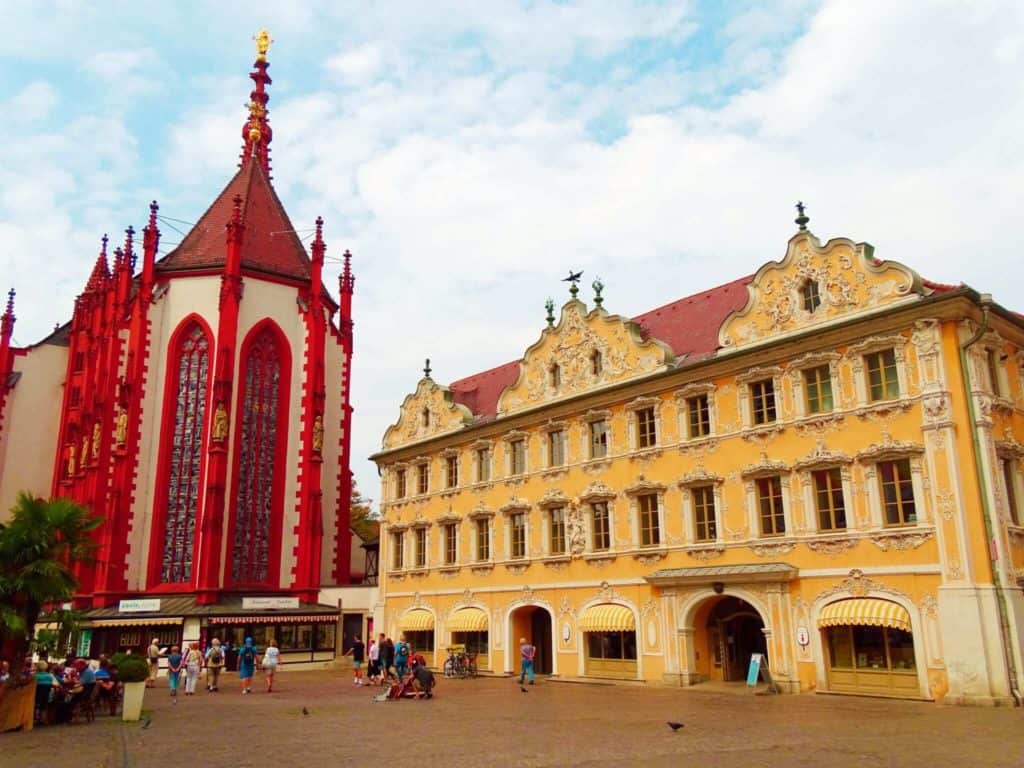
column 821, row 463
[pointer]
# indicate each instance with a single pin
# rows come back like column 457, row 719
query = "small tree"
column 39, row 547
column 363, row 520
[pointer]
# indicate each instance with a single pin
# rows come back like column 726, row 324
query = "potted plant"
column 132, row 672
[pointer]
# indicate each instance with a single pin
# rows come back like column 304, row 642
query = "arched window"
column 260, row 452
column 188, row 387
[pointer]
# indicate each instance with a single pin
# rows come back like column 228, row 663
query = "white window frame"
column 392, row 534
column 550, row 429
column 809, row 494
column 1012, row 456
column 701, row 479
column 448, row 456
column 869, row 461
column 683, row 397
column 750, row 476
column 607, row 497
column 633, row 423
column 509, row 512
column 420, row 530
column 475, row 518
column 422, row 466
column 743, row 382
column 797, row 370
column 442, row 543
column 396, row 471
column 633, row 493
column 586, row 447
column 857, row 355
column 477, row 447
column 509, row 440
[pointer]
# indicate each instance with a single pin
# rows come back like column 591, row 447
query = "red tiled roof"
column 480, row 393
column 269, row 245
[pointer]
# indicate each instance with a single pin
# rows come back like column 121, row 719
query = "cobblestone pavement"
column 489, row 721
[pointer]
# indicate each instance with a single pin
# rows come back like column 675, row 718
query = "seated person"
column 422, row 678
column 85, row 672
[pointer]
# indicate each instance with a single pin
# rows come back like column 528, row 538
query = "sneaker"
column 531, row 682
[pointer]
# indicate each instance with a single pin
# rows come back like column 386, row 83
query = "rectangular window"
column 762, row 398
column 557, row 542
column 517, row 459
column 704, row 513
column 646, row 431
column 992, row 362
column 818, row 383
column 420, row 539
column 518, row 524
column 650, row 528
column 1011, row 491
column 897, row 492
column 769, row 499
column 556, row 448
column 883, row 383
column 400, row 489
column 451, row 543
column 598, row 439
column 422, row 478
column 451, row 471
column 600, row 527
column 698, row 417
column 828, row 499
column 483, row 465
column 483, row 539
column 398, row 550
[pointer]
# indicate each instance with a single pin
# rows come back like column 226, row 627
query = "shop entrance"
column 534, row 624
column 735, row 631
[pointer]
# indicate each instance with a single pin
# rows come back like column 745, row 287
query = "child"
column 175, row 662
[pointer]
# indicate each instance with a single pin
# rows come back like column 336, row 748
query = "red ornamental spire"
column 7, row 321
column 348, row 280
column 100, row 272
column 256, row 132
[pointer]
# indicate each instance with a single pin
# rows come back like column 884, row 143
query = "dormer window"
column 425, row 417
column 596, row 362
column 555, row 376
column 812, row 299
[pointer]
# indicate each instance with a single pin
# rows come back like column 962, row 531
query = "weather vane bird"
column 574, row 277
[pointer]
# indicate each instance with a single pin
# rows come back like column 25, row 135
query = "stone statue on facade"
column 220, row 422
column 318, row 433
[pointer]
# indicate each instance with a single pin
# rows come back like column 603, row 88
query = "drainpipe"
column 985, row 301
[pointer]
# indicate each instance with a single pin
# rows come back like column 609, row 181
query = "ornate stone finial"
column 598, row 286
column 103, row 247
column 256, row 132
column 263, row 42
column 549, row 305
column 802, row 219
column 426, row 369
column 7, row 321
column 573, row 279
column 129, row 244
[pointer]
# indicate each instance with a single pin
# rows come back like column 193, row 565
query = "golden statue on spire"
column 263, row 42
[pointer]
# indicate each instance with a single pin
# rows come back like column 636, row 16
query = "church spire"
column 256, row 132
column 7, row 321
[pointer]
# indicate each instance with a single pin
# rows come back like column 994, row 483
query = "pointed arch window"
column 258, row 495
column 191, row 366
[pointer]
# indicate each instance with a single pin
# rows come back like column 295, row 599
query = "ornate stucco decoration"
column 606, row 592
column 890, row 449
column 514, row 505
column 429, row 411
column 561, row 362
column 832, row 547
column 901, row 540
column 699, row 476
column 764, row 467
column 597, row 491
column 859, row 585
column 553, row 497
column 706, row 553
column 480, row 510
column 847, row 281
column 822, row 458
column 643, row 485
column 772, row 549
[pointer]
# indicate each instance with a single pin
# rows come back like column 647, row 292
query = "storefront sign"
column 755, row 669
column 803, row 637
column 84, row 641
column 139, row 606
column 269, row 603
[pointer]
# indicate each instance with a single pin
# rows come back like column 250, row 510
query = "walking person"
column 526, row 653
column 357, row 650
column 175, row 663
column 271, row 658
column 246, row 665
column 153, row 657
column 374, row 668
column 387, row 657
column 214, row 664
column 193, row 666
column 402, row 651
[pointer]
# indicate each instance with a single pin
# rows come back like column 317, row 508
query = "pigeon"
column 523, row 689
column 305, row 711
column 675, row 726
column 146, row 723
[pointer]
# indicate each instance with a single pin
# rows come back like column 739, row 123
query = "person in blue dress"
column 247, row 664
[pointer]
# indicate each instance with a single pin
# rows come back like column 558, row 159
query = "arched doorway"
column 534, row 624
column 734, row 630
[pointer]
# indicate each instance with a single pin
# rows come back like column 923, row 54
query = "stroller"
column 416, row 684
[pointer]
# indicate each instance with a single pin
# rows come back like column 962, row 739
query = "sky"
column 470, row 153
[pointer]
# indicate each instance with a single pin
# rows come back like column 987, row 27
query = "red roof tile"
column 270, row 244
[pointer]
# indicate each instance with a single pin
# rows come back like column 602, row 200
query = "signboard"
column 148, row 605
column 755, row 669
column 803, row 637
column 269, row 603
column 84, row 641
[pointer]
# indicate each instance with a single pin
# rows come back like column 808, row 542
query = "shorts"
column 356, row 664
column 269, row 669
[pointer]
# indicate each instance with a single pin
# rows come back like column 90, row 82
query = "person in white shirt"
column 374, row 670
column 271, row 659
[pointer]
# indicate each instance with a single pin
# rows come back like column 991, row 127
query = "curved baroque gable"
column 848, row 281
column 428, row 411
column 624, row 354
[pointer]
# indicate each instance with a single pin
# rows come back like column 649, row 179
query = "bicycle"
column 459, row 663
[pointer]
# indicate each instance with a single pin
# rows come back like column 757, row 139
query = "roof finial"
column 10, row 303
column 263, row 42
column 549, row 305
column 803, row 218
column 256, row 133
column 598, row 286
column 572, row 279
column 426, row 369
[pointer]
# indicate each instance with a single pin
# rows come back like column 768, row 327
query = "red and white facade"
column 199, row 402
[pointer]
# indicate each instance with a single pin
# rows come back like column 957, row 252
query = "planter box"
column 132, row 709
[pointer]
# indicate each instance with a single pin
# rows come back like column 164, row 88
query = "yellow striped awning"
column 607, row 618
column 869, row 612
column 416, row 621
column 154, row 621
column 468, row 620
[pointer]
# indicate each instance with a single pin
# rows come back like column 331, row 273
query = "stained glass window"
column 255, row 501
column 182, row 500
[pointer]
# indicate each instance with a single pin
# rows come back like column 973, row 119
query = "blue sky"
column 469, row 153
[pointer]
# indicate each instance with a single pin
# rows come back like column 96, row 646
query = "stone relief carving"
column 858, row 585
column 706, row 553
column 832, row 547
column 773, row 549
column 429, row 411
column 902, row 540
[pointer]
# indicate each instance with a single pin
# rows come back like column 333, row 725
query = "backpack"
column 216, row 656
column 248, row 653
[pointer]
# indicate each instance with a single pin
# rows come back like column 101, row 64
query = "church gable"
column 427, row 412
column 583, row 351
column 814, row 285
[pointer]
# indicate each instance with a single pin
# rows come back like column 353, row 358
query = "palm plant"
column 39, row 547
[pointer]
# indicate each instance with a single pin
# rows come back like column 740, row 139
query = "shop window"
column 611, row 645
column 304, row 636
column 556, row 448
column 325, row 636
column 518, row 538
column 818, row 386
column 1010, row 483
column 705, row 528
column 828, row 490
column 397, row 550
column 517, row 457
column 483, row 465
column 600, row 528
column 483, row 539
column 877, row 649
column 420, row 642
column 810, row 294
column 476, row 642
column 260, row 634
column 420, row 542
column 698, row 417
column 769, row 500
column 451, row 543
column 898, row 506
column 883, row 381
column 400, row 484
column 646, row 428
column 451, row 471
column 762, row 398
column 557, row 530
column 287, row 636
column 598, row 439
column 650, row 528
column 422, row 478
